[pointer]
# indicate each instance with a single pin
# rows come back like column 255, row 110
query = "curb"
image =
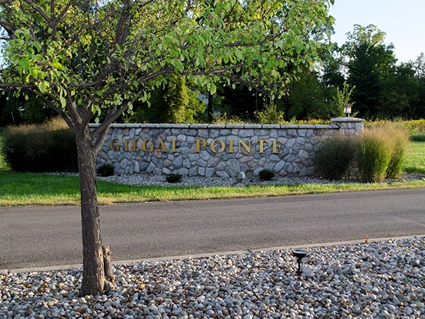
column 203, row 255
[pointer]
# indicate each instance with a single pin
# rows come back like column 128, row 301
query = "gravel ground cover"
column 375, row 280
column 160, row 180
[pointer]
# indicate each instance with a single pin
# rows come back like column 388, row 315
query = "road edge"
column 204, row 255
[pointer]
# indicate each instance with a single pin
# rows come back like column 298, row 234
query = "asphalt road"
column 48, row 236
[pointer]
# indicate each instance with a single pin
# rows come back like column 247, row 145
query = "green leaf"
column 43, row 86
column 213, row 88
column 62, row 101
column 57, row 65
column 179, row 66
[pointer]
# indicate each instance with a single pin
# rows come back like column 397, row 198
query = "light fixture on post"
column 347, row 109
column 299, row 254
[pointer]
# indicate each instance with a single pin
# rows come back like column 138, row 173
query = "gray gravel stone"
column 347, row 281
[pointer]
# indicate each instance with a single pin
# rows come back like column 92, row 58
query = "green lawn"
column 415, row 159
column 44, row 189
column 18, row 189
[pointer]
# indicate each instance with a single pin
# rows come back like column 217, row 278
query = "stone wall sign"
column 219, row 150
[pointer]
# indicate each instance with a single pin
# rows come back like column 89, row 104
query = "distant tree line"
column 383, row 88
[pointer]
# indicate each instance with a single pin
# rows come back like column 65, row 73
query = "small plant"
column 174, row 178
column 266, row 175
column 334, row 156
column 343, row 97
column 270, row 115
column 106, row 170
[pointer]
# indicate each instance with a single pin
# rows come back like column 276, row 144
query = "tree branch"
column 39, row 10
column 123, row 26
column 11, row 86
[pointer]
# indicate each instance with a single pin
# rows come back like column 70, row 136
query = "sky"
column 403, row 21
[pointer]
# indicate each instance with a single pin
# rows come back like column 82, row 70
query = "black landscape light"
column 299, row 254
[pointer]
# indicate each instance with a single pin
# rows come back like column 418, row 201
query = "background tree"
column 400, row 94
column 174, row 102
column 18, row 110
column 370, row 64
column 308, row 98
column 87, row 59
column 419, row 67
column 364, row 75
column 242, row 102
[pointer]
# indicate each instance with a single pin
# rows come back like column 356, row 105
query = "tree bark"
column 107, row 266
column 93, row 263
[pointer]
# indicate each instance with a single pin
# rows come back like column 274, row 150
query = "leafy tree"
column 371, row 64
column 419, row 66
column 333, row 66
column 366, row 78
column 308, row 98
column 400, row 93
column 87, row 59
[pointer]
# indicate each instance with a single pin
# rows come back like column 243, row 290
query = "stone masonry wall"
column 219, row 150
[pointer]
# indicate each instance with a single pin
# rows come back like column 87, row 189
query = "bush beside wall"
column 333, row 158
column 379, row 153
column 49, row 147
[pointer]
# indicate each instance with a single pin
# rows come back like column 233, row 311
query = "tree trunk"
column 93, row 263
column 107, row 266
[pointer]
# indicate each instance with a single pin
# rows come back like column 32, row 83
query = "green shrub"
column 270, row 115
column 266, row 175
column 334, row 156
column 106, row 170
column 374, row 155
column 174, row 178
column 49, row 147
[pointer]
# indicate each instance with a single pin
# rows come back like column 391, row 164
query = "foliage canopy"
column 93, row 59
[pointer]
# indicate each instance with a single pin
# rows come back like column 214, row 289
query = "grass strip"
column 22, row 189
column 415, row 157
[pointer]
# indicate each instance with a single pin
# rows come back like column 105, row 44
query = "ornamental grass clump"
column 400, row 141
column 333, row 158
column 374, row 155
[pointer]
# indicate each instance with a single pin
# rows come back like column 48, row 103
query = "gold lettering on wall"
column 144, row 145
column 247, row 147
column 231, row 150
column 162, row 146
column 114, row 144
column 277, row 147
column 216, row 146
column 134, row 144
column 261, row 143
column 214, row 143
column 200, row 144
column 173, row 147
